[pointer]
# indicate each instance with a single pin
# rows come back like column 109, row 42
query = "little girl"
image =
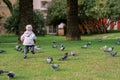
column 28, row 39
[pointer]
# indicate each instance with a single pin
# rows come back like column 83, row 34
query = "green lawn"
column 88, row 64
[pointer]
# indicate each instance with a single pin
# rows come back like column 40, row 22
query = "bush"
column 38, row 23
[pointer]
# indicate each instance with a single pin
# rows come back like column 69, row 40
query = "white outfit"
column 28, row 38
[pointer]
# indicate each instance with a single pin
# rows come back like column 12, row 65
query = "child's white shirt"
column 28, row 38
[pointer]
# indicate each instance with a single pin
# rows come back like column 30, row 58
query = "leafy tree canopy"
column 87, row 8
column 56, row 12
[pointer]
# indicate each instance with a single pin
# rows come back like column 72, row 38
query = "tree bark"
column 26, row 15
column 73, row 32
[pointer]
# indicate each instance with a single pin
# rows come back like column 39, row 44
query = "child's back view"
column 28, row 39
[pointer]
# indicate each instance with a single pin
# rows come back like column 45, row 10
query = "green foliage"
column 38, row 23
column 114, row 9
column 87, row 8
column 11, row 23
column 56, row 12
column 102, row 8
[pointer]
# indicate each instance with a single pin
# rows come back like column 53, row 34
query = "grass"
column 88, row 64
column 8, row 38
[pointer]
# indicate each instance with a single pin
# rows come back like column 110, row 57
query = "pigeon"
column 84, row 46
column 18, row 48
column 113, row 53
column 118, row 42
column 36, row 48
column 2, row 51
column 71, row 53
column 55, row 66
column 89, row 43
column 62, row 48
column 99, row 39
column 61, row 45
column 11, row 74
column 110, row 49
column 103, row 48
column 64, row 56
column 49, row 60
column 54, row 41
column 54, row 46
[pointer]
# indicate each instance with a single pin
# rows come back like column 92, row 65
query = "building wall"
column 42, row 5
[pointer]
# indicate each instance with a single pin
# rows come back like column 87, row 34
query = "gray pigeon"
column 118, row 42
column 54, row 41
column 71, row 53
column 89, row 43
column 2, row 51
column 55, row 66
column 113, row 53
column 61, row 45
column 11, row 74
column 36, row 48
column 99, row 39
column 85, row 46
column 18, row 48
column 110, row 49
column 54, row 46
column 49, row 60
column 64, row 56
column 103, row 48
column 62, row 48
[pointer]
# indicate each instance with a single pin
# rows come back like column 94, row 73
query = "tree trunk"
column 73, row 32
column 26, row 15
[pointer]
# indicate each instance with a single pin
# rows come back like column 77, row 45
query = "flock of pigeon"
column 20, row 49
column 49, row 60
column 65, row 56
column 109, row 50
column 105, row 48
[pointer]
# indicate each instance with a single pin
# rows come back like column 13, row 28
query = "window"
column 52, row 29
column 44, row 4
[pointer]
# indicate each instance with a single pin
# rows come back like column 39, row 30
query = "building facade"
column 42, row 5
